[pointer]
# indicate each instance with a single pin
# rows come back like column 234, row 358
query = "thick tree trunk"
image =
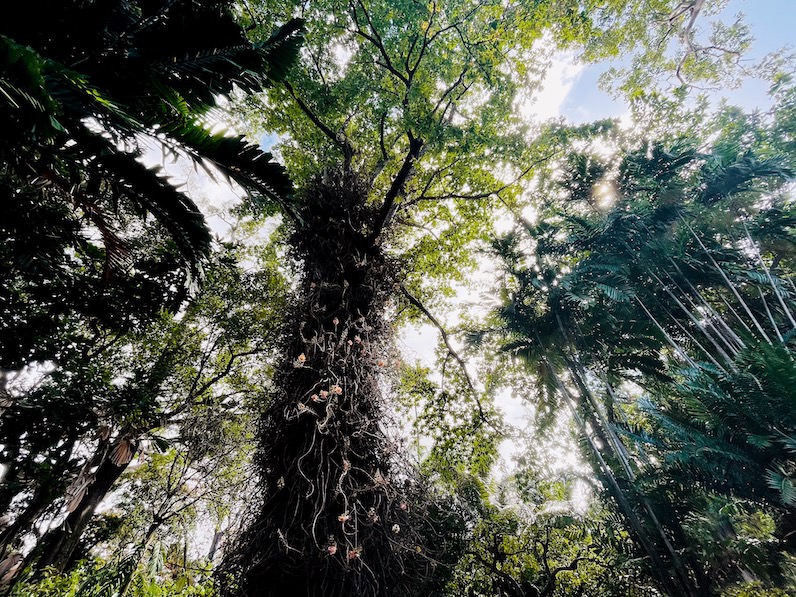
column 337, row 513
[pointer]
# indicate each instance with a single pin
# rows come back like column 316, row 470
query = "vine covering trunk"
column 340, row 514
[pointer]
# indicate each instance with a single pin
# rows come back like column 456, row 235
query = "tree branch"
column 396, row 188
column 422, row 308
column 374, row 38
column 484, row 194
column 339, row 139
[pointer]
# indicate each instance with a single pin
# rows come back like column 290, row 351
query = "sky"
column 573, row 90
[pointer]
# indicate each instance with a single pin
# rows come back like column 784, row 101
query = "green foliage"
column 147, row 74
column 421, row 100
column 658, row 288
column 97, row 579
column 637, row 281
column 453, row 438
column 178, row 394
column 514, row 552
column 755, row 589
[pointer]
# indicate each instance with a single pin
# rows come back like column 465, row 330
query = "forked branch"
column 340, row 140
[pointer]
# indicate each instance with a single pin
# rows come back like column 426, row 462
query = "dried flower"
column 350, row 343
column 9, row 567
column 74, row 502
column 396, row 528
column 353, row 554
column 280, row 483
column 346, row 466
column 77, row 491
column 315, row 398
column 301, row 358
column 403, row 506
column 301, row 407
column 335, row 322
column 336, row 390
column 344, row 517
column 324, row 394
column 357, row 340
column 372, row 516
column 332, row 549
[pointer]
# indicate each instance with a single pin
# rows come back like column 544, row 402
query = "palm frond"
column 154, row 194
column 238, row 160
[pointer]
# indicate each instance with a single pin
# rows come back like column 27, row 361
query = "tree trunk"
column 217, row 537
column 59, row 544
column 25, row 519
column 684, row 583
column 47, row 490
column 10, row 485
column 337, row 512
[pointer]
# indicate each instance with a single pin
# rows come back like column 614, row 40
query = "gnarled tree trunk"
column 59, row 544
column 339, row 515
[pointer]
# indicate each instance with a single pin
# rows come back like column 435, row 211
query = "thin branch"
column 450, row 89
column 445, row 338
column 504, row 576
column 412, row 224
column 340, row 140
column 773, row 284
column 384, row 155
column 373, row 37
column 485, row 194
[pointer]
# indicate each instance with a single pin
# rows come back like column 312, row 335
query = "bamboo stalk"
column 677, row 348
column 694, row 320
column 770, row 316
column 729, row 283
column 738, row 343
column 767, row 271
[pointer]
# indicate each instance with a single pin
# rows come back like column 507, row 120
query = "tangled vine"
column 341, row 512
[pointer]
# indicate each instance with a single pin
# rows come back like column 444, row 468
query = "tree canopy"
column 189, row 415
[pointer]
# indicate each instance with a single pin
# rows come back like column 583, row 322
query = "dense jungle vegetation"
column 221, row 221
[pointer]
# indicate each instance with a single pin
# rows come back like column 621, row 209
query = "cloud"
column 561, row 76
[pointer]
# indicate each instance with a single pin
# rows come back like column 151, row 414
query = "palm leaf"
column 153, row 193
column 238, row 160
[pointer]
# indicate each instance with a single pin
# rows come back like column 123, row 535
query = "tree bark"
column 59, row 544
column 338, row 512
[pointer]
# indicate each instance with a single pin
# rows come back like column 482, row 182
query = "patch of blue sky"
column 268, row 140
column 772, row 24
